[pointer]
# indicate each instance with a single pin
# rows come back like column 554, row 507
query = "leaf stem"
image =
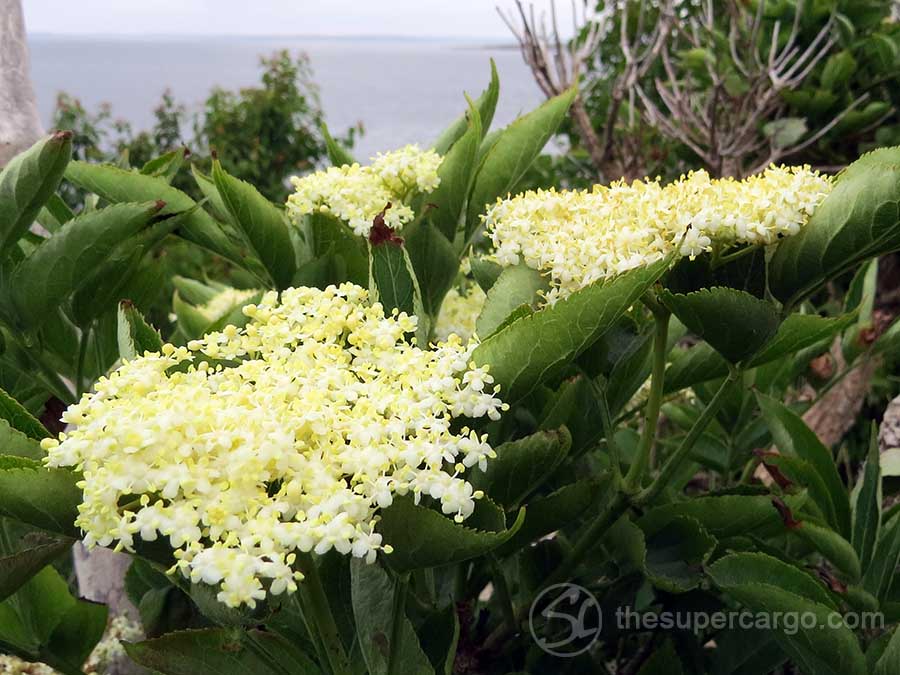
column 687, row 443
column 654, row 402
column 318, row 609
column 615, row 457
column 399, row 614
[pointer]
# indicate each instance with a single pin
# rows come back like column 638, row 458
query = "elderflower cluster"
column 578, row 237
column 459, row 312
column 356, row 194
column 327, row 413
column 225, row 301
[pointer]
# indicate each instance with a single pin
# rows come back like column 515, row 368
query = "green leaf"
column 521, row 466
column 832, row 546
column 193, row 291
column 27, row 183
column 423, row 538
column 838, row 70
column 860, row 219
column 794, row 438
column 867, row 506
column 61, row 264
column 785, row 131
column 338, row 155
column 880, row 573
column 537, row 347
column 734, row 322
column 516, row 286
column 799, row 331
column 766, row 585
column 135, row 335
column 262, row 224
column 486, row 104
column 166, row 166
column 456, row 171
column 75, row 636
column 221, row 651
column 331, row 237
column 20, row 419
column 45, row 498
column 553, row 512
column 721, row 515
column 887, row 664
column 116, row 185
column 513, row 153
column 372, row 589
column 434, row 262
column 737, row 569
column 16, row 444
column 485, row 272
column 17, row 568
column 676, row 553
column 736, row 655
column 393, row 281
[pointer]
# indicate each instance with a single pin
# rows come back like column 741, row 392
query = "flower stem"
column 676, row 458
column 400, row 585
column 654, row 402
column 318, row 609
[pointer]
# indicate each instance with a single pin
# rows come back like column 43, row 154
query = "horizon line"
column 291, row 36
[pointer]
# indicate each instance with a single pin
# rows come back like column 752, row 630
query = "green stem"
column 502, row 589
column 654, row 402
column 400, row 585
column 319, row 611
column 676, row 458
column 588, row 539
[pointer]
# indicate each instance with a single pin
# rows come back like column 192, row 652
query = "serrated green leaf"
column 860, row 219
column 434, row 262
column 372, row 588
column 455, row 172
column 832, row 546
column 135, row 335
column 486, row 104
column 337, row 154
column 794, row 438
column 394, row 282
column 59, row 266
column 676, row 553
column 516, row 286
column 799, row 331
column 537, row 348
column 17, row 568
column 735, row 323
column 262, row 224
column 423, row 538
column 721, row 515
column 829, row 647
column 512, row 154
column 553, row 512
column 116, row 185
column 44, row 498
column 521, row 466
column 485, row 272
column 165, row 166
column 27, row 183
column 221, row 651
column 737, row 569
column 20, row 419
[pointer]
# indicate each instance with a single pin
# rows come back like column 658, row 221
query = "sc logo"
column 565, row 620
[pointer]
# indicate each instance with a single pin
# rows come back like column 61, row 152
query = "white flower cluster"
column 327, row 414
column 356, row 194
column 225, row 301
column 459, row 312
column 578, row 237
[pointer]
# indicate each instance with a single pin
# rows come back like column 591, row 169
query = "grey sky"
column 456, row 18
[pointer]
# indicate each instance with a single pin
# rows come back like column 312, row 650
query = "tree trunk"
column 20, row 122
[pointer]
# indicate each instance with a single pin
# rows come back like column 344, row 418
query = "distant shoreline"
column 463, row 42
